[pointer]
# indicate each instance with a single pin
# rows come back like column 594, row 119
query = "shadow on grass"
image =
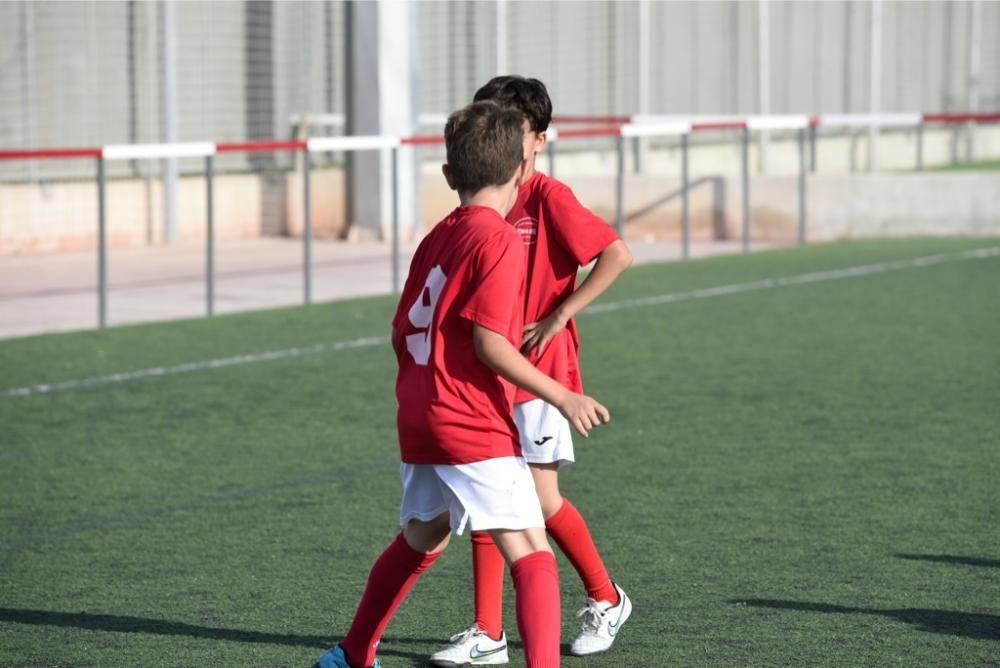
column 952, row 559
column 125, row 624
column 965, row 624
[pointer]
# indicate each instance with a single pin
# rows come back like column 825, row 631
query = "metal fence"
column 84, row 73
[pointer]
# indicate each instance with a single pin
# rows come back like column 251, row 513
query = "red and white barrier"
column 639, row 125
column 564, row 128
column 152, row 151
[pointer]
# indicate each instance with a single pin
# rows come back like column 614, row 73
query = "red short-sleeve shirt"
column 453, row 409
column 560, row 235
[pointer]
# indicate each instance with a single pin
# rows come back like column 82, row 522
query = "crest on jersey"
column 527, row 227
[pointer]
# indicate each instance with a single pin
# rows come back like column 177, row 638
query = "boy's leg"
column 608, row 607
column 390, row 580
column 536, row 585
column 488, row 567
column 570, row 532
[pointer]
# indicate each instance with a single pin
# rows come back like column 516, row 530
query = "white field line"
column 800, row 279
column 219, row 363
column 368, row 342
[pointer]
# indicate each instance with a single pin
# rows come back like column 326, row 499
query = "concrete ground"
column 52, row 293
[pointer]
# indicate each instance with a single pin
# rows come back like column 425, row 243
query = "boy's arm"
column 611, row 263
column 496, row 352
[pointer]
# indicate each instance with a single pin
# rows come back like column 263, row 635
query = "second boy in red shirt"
column 559, row 235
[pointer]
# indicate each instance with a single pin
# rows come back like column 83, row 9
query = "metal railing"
column 620, row 128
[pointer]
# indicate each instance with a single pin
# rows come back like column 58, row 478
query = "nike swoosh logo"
column 543, row 440
column 613, row 628
column 476, row 653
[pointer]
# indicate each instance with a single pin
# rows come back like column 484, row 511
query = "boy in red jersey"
column 560, row 236
column 455, row 334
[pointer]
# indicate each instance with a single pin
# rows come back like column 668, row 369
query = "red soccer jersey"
column 561, row 235
column 453, row 409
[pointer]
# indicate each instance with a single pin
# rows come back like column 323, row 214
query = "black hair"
column 529, row 96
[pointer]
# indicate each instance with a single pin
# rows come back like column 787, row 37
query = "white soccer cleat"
column 472, row 647
column 601, row 623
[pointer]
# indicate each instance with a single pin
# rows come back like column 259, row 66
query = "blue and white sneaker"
column 471, row 647
column 334, row 658
column 601, row 622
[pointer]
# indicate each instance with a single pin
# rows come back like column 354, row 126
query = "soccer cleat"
column 334, row 658
column 472, row 647
column 601, row 623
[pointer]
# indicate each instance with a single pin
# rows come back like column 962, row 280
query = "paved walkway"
column 50, row 293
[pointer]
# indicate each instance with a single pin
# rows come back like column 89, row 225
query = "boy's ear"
column 541, row 139
column 446, row 170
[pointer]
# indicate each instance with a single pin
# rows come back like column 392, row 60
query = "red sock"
column 569, row 530
column 536, row 583
column 487, row 572
column 392, row 576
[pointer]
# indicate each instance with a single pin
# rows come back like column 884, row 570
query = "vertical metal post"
column 102, row 248
column 802, row 187
column 550, row 149
column 718, row 208
column 620, row 188
column 685, row 203
column 920, row 146
column 395, row 221
column 306, row 229
column 812, row 146
column 746, row 188
column 209, row 235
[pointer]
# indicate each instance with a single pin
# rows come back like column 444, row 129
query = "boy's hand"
column 583, row 412
column 538, row 334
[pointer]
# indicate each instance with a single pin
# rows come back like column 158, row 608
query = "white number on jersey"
column 422, row 315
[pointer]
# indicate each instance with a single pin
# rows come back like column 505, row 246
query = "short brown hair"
column 485, row 145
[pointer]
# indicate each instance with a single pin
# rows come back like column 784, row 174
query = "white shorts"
column 546, row 437
column 491, row 494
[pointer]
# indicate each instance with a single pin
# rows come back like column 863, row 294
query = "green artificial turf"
column 798, row 475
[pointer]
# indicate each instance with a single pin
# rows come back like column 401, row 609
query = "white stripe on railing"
column 790, row 122
column 140, row 151
column 362, row 143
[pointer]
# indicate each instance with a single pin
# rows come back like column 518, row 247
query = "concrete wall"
column 844, row 206
column 899, row 205
column 63, row 216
